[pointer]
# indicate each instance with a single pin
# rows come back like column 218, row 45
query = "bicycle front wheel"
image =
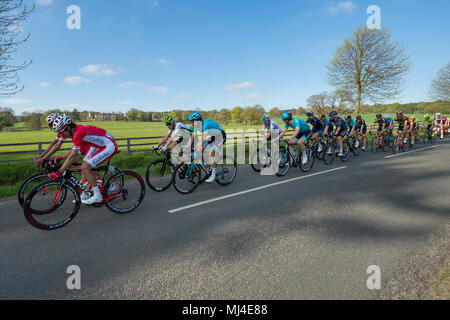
column 51, row 205
column 186, row 178
column 329, row 154
column 159, row 175
column 124, row 192
column 29, row 184
column 226, row 171
column 309, row 163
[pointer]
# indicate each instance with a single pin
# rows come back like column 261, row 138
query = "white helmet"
column 438, row 114
column 51, row 118
column 60, row 123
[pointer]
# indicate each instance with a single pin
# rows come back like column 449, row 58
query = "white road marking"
column 251, row 190
column 400, row 154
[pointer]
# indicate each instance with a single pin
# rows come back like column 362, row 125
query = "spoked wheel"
column 322, row 147
column 29, row 184
column 309, row 164
column 375, row 145
column 226, row 171
column 283, row 166
column 395, row 146
column 159, row 175
column 355, row 149
column 124, row 192
column 186, row 178
column 345, row 151
column 54, row 204
column 259, row 160
column 329, row 154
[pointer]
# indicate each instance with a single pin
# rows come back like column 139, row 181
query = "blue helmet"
column 286, row 116
column 387, row 116
column 195, row 116
column 266, row 118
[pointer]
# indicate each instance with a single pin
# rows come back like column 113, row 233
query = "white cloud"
column 44, row 2
column 239, row 86
column 128, row 84
column 163, row 61
column 44, row 84
column 75, row 80
column 98, row 69
column 158, row 90
column 254, row 97
column 15, row 102
column 341, row 6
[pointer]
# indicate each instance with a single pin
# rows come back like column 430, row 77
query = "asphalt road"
column 308, row 238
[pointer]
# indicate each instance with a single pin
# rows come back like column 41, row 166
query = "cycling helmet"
column 286, row 116
column 358, row 117
column 400, row 114
column 333, row 114
column 195, row 116
column 61, row 123
column 51, row 118
column 169, row 120
column 310, row 114
column 387, row 116
column 349, row 117
column 426, row 116
column 322, row 116
column 265, row 118
column 438, row 114
column 379, row 116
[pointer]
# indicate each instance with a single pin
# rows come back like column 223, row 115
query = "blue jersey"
column 388, row 122
column 209, row 125
column 299, row 123
column 317, row 125
column 328, row 123
column 351, row 123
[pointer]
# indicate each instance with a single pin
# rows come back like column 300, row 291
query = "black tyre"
column 309, row 164
column 329, row 154
column 125, row 192
column 375, row 146
column 29, row 184
column 320, row 155
column 345, row 151
column 186, row 178
column 259, row 161
column 159, row 175
column 62, row 198
column 226, row 172
column 283, row 164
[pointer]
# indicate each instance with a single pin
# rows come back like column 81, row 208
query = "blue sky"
column 158, row 55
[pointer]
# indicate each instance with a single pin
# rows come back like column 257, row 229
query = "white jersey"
column 180, row 128
column 272, row 126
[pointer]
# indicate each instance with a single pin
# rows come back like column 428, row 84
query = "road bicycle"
column 316, row 145
column 260, row 159
column 332, row 151
column 351, row 142
column 382, row 143
column 53, row 204
column 400, row 144
column 429, row 136
column 39, row 178
column 286, row 159
column 188, row 176
column 159, row 174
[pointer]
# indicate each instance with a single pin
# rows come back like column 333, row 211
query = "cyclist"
column 412, row 127
column 401, row 133
column 216, row 137
column 101, row 147
column 328, row 130
column 317, row 128
column 54, row 146
column 439, row 124
column 361, row 130
column 270, row 127
column 388, row 126
column 177, row 133
column 428, row 123
column 352, row 129
column 381, row 126
column 301, row 134
column 340, row 132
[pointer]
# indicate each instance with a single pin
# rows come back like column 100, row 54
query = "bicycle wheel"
column 320, row 155
column 329, row 154
column 355, row 149
column 309, row 164
column 283, row 164
column 186, row 177
column 375, row 146
column 259, row 161
column 159, row 175
column 345, row 151
column 124, row 192
column 226, row 171
column 29, row 184
column 54, row 203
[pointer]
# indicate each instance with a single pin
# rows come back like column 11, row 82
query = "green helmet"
column 169, row 120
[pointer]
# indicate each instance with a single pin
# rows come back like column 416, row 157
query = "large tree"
column 369, row 66
column 440, row 85
column 12, row 13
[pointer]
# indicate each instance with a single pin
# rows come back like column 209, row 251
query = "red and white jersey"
column 91, row 136
column 60, row 137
